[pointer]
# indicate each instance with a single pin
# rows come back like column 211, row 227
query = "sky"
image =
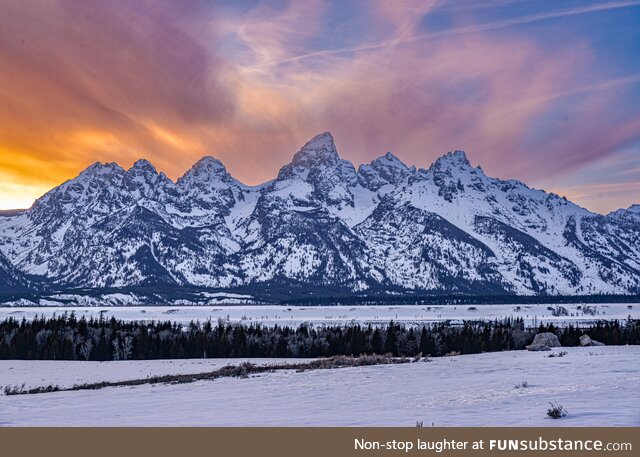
column 547, row 92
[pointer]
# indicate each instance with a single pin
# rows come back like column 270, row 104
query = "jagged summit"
column 209, row 162
column 321, row 140
column 143, row 165
column 383, row 170
column 101, row 168
column 208, row 185
column 317, row 174
column 391, row 159
column 206, row 168
column 631, row 212
column 321, row 149
column 457, row 158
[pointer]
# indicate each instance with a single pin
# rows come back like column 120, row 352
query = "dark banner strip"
column 320, row 442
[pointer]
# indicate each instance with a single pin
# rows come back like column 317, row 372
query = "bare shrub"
column 558, row 354
column 556, row 411
column 21, row 390
column 14, row 390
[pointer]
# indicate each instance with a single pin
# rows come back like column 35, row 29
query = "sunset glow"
column 544, row 92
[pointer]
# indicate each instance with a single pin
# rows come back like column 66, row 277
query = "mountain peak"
column 320, row 149
column 459, row 156
column 321, row 140
column 631, row 212
column 457, row 159
column 101, row 168
column 210, row 164
column 390, row 159
column 387, row 169
column 143, row 165
column 318, row 165
column 207, row 169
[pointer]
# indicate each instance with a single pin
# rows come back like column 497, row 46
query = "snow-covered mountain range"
column 321, row 224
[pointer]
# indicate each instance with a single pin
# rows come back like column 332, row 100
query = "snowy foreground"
column 598, row 386
column 296, row 315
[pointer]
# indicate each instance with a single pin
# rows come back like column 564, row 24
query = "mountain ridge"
column 320, row 223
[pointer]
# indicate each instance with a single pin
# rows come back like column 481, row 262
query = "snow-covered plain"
column 598, row 386
column 296, row 315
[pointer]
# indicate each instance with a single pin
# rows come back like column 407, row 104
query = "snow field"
column 598, row 387
column 296, row 315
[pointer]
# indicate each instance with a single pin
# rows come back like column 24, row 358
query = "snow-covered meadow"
column 295, row 315
column 597, row 385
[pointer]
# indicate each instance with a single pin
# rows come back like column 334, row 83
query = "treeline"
column 298, row 295
column 68, row 338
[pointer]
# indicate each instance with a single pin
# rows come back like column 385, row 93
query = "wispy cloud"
column 547, row 15
column 524, row 102
column 486, row 27
column 604, row 197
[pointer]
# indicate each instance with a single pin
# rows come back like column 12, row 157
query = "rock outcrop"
column 544, row 342
column 585, row 340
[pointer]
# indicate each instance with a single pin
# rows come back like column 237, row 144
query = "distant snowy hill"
column 321, row 224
